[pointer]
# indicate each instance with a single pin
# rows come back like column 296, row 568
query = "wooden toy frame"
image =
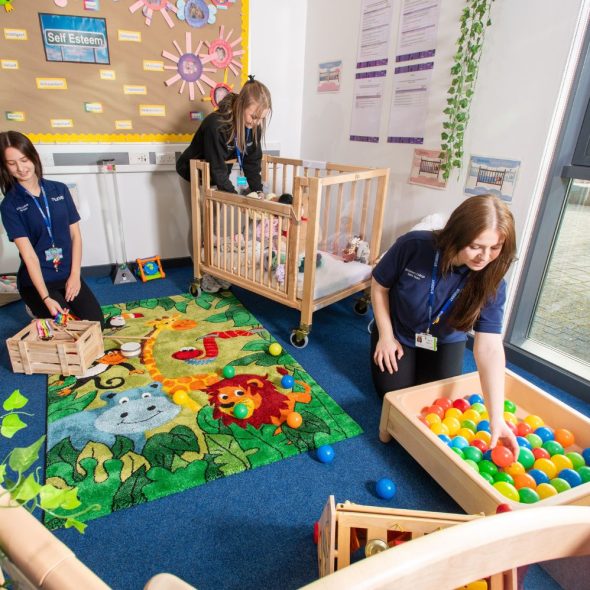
column 141, row 263
column 399, row 419
column 340, row 523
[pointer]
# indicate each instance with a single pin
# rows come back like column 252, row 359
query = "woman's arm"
column 73, row 282
column 31, row 261
column 491, row 363
column 388, row 349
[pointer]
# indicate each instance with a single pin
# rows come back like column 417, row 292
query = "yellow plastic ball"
column 534, row 421
column 507, row 490
column 510, row 417
column 546, row 490
column 180, row 397
column 515, row 468
column 483, row 435
column 439, row 428
column 466, row 433
column 432, row 419
column 485, row 415
column 561, row 462
column 477, row 585
column 452, row 425
column 275, row 349
column 472, row 415
column 547, row 467
column 454, row 413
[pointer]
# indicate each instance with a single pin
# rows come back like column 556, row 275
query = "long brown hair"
column 23, row 144
column 233, row 106
column 472, row 217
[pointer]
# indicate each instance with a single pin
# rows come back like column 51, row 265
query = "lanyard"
column 448, row 302
column 45, row 214
column 239, row 153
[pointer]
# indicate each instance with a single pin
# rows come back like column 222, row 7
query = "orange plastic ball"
column 294, row 420
column 564, row 437
column 515, row 469
column 502, row 456
column 524, row 480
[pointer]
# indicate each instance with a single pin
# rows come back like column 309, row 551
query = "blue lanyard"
column 45, row 214
column 239, row 153
column 449, row 301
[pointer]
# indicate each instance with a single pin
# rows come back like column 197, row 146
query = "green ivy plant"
column 474, row 21
column 20, row 479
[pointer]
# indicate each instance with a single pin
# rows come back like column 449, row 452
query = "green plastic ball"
column 472, row 454
column 576, row 459
column 526, row 457
column 553, row 447
column 478, row 407
column 509, row 406
column 505, row 477
column 472, row 464
column 486, row 476
column 528, row 495
column 584, row 473
column 560, row 484
column 534, row 440
column 458, row 451
column 470, row 424
column 489, row 467
column 229, row 372
column 240, row 411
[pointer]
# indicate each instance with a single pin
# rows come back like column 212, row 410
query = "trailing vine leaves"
column 475, row 18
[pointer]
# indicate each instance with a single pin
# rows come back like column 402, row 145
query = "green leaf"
column 22, row 458
column 51, row 497
column 11, row 424
column 70, row 500
column 28, row 489
column 15, row 401
column 76, row 524
column 2, row 473
column 256, row 345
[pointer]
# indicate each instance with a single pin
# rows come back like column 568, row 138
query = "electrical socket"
column 139, row 158
column 166, row 158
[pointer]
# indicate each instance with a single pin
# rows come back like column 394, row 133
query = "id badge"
column 53, row 254
column 426, row 341
column 242, row 181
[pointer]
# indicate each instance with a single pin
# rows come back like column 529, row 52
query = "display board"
column 118, row 70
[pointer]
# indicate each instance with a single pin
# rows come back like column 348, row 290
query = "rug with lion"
column 204, row 399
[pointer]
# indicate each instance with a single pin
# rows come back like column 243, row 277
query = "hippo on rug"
column 129, row 413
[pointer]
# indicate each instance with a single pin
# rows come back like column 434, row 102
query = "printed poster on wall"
column 418, row 29
column 329, row 76
column 426, row 169
column 366, row 110
column 375, row 32
column 496, row 176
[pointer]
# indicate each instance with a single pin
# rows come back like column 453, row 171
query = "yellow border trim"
column 245, row 39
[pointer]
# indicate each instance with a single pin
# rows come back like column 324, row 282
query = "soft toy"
column 363, row 252
column 349, row 253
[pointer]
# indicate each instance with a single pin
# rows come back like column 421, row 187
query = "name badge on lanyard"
column 241, row 181
column 54, row 254
column 425, row 339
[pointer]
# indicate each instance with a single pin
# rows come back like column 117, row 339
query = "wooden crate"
column 71, row 351
column 346, row 527
column 399, row 418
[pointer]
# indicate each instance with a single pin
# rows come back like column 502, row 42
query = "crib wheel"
column 298, row 341
column 195, row 289
column 361, row 307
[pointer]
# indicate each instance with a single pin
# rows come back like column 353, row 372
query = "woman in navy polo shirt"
column 40, row 217
column 431, row 288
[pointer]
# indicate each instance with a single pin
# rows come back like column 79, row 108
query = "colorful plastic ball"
column 456, row 450
column 472, row 464
column 461, row 404
column 528, row 495
column 452, row 424
column 466, row 433
column 431, row 419
column 489, row 478
column 385, row 488
column 275, row 349
column 515, row 468
column 472, row 416
column 488, row 455
column 546, row 490
column 472, row 453
column 584, row 473
column 475, row 398
column 459, row 442
column 511, row 419
column 479, row 408
column 503, row 508
column 586, row 455
column 522, row 429
column 539, row 476
column 509, row 406
column 526, row 457
column 541, row 453
column 439, row 428
column 564, row 437
column 445, row 438
column 534, row 440
column 486, row 466
column 240, row 411
column 562, row 462
column 294, row 419
column 180, row 397
column 469, row 424
column 483, row 435
column 502, row 456
column 524, row 480
column 482, row 445
column 325, row 454
column 534, row 421
column 505, row 477
column 546, row 466
column 553, row 447
column 483, row 425
column 545, row 433
column 287, row 382
column 523, row 442
column 229, row 372
column 454, row 413
column 507, row 490
column 576, row 459
column 561, row 485
column 572, row 477
column 444, row 402
column 434, row 410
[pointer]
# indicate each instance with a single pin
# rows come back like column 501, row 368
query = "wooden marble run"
column 150, row 268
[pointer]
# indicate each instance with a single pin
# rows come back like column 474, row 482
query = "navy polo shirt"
column 406, row 270
column 22, row 219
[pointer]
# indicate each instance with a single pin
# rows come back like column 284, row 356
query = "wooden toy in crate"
column 71, row 350
column 346, row 528
column 400, row 419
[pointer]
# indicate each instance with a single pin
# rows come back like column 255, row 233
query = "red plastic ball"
column 438, row 410
column 512, row 427
column 444, row 402
column 540, row 453
column 316, row 532
column 502, row 456
column 523, row 429
column 480, row 444
column 461, row 404
column 503, row 508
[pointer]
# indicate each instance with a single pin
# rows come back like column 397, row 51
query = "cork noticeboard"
column 118, row 70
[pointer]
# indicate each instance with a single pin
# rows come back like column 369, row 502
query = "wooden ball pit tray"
column 399, row 419
column 71, row 351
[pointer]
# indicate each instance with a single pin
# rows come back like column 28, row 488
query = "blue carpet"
column 253, row 529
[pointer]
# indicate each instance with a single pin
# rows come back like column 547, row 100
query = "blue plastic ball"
column 539, row 476
column 523, row 442
column 571, row 476
column 475, row 398
column 325, row 454
column 287, row 382
column 385, row 488
column 483, row 425
column 488, row 455
column 445, row 438
column 545, row 433
column 586, row 455
column 459, row 442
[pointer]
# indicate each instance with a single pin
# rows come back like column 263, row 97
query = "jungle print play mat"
column 135, row 429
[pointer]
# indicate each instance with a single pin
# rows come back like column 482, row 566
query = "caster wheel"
column 195, row 290
column 298, row 341
column 361, row 307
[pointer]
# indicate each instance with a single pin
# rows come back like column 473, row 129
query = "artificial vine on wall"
column 474, row 21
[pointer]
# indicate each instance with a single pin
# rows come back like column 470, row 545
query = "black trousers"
column 84, row 306
column 417, row 366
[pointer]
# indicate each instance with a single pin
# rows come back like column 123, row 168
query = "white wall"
column 521, row 69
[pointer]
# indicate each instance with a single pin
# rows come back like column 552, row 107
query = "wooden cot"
column 244, row 240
